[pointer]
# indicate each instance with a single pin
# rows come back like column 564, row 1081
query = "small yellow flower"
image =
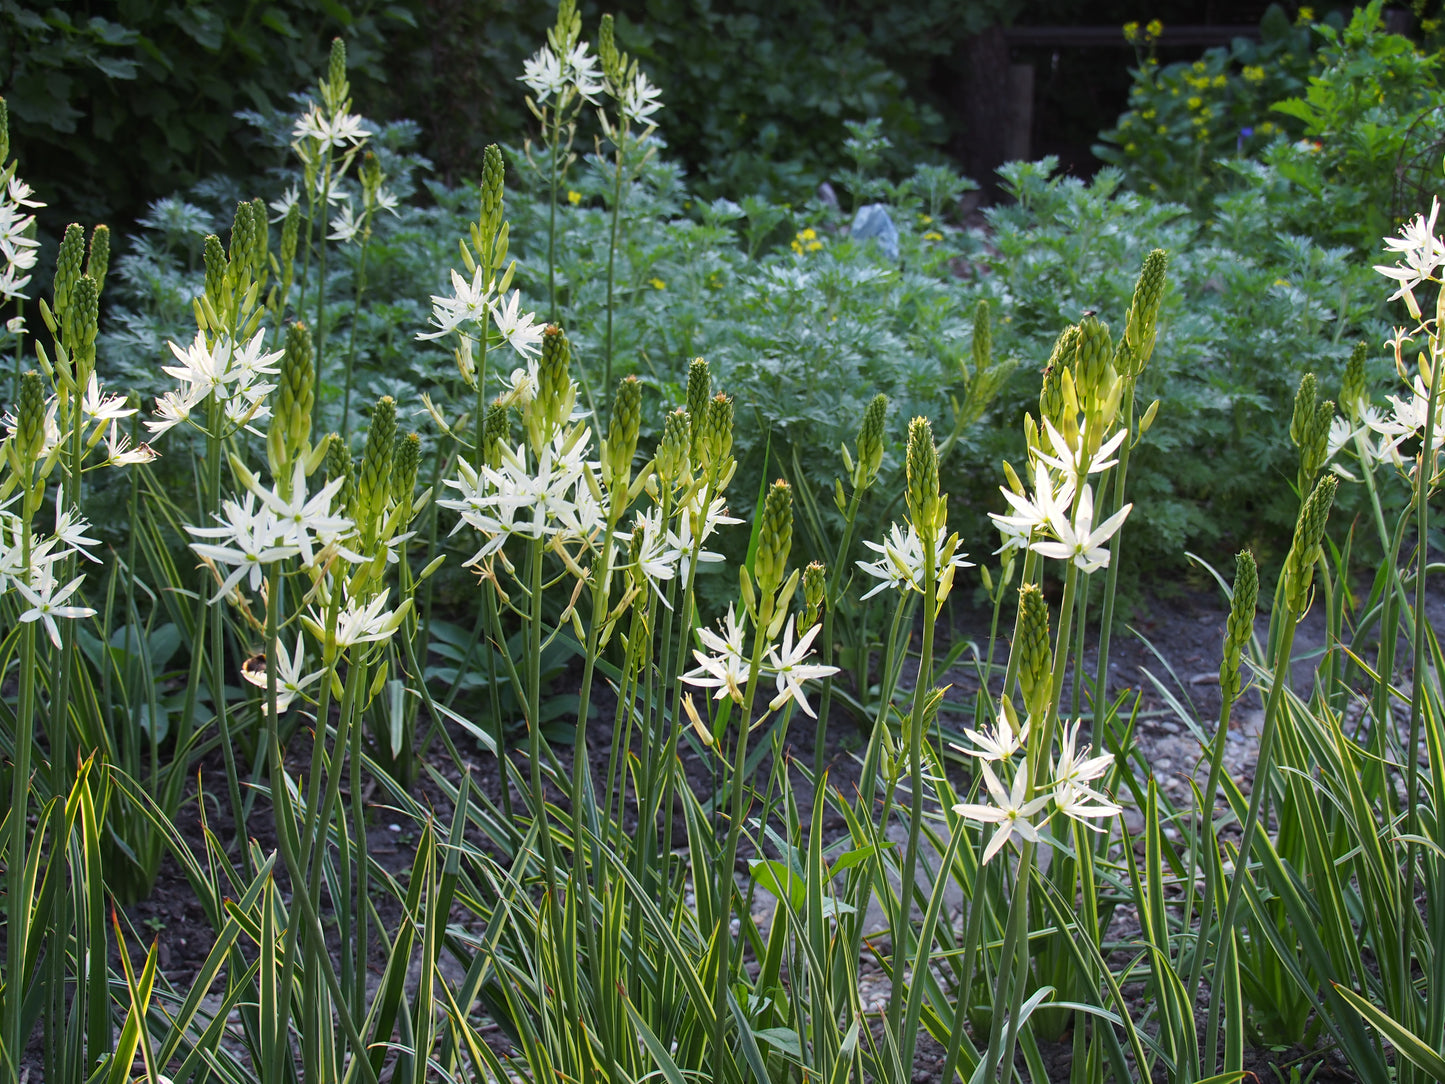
column 1306, row 15
column 1282, row 282
column 1154, row 29
column 1218, row 81
column 1195, row 102
column 1131, row 32
column 1253, row 73
column 933, row 235
column 926, row 220
column 574, row 197
column 1131, row 148
column 657, row 284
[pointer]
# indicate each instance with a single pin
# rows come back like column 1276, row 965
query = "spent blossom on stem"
column 290, row 681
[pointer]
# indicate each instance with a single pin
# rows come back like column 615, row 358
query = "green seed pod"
column 718, row 432
column 216, row 275
column 671, row 458
column 30, row 419
column 1141, row 324
column 290, row 231
column 97, row 262
column 870, row 442
column 1036, row 661
column 982, row 338
column 296, row 396
column 923, row 503
column 1094, row 354
column 339, row 465
column 1240, row 628
column 4, row 133
column 775, row 538
column 67, row 268
column 699, row 391
column 815, row 589
column 1309, row 530
column 373, row 486
column 496, row 428
column 405, row 461
column 1306, row 400
column 1354, row 392
column 622, row 431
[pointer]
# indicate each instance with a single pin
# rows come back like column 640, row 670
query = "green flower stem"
column 320, row 336
column 834, row 596
column 1106, row 620
column 1423, row 473
column 902, row 927
column 355, row 319
column 479, row 451
column 1030, row 575
column 216, row 620
column 1013, row 970
column 1262, row 769
column 987, row 691
column 888, row 675
column 17, row 859
column 724, row 878
column 612, row 254
column 553, row 141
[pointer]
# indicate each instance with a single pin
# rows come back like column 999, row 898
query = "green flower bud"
column 67, row 268
column 815, row 589
column 923, row 503
column 336, row 67
column 1354, row 392
column 718, row 432
column 261, row 238
column 622, row 429
column 1095, row 353
column 296, row 397
column 699, row 391
column 81, row 324
column 97, row 262
column 554, row 382
column 369, row 172
column 775, row 538
column 1309, row 529
column 612, row 61
column 870, row 442
column 30, row 419
column 496, row 428
column 405, row 461
column 1066, row 346
column 1240, row 628
column 493, row 192
column 1306, row 400
column 1036, row 661
column 1140, row 326
column 243, row 247
column 1052, row 403
column 373, row 486
column 982, row 338
column 339, row 465
column 671, row 458
column 216, row 292
column 290, row 231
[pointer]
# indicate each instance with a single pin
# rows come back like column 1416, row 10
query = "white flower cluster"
column 324, row 130
column 232, row 372
column 32, row 575
column 250, row 536
column 549, row 75
column 724, row 666
column 556, row 500
column 475, row 303
column 1058, row 521
column 18, row 248
column 1017, row 814
column 901, row 564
